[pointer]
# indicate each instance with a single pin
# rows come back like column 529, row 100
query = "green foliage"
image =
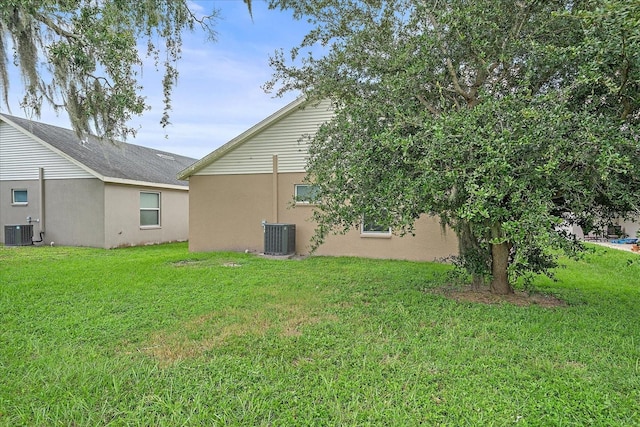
column 609, row 72
column 509, row 121
column 83, row 56
column 160, row 336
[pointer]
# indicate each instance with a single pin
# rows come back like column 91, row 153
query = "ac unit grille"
column 279, row 239
column 18, row 235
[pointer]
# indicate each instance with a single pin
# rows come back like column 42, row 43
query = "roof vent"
column 165, row 156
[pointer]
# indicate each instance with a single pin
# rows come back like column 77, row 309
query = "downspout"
column 42, row 210
column 275, row 189
column 39, row 220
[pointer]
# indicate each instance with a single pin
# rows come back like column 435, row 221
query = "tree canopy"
column 85, row 56
column 508, row 119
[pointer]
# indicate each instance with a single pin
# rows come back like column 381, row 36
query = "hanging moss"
column 82, row 56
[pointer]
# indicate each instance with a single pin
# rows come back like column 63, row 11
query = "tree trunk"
column 499, row 264
column 477, row 282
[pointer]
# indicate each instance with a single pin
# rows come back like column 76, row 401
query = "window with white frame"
column 371, row 227
column 306, row 194
column 149, row 209
column 19, row 197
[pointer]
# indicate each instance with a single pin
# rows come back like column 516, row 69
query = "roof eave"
column 123, row 181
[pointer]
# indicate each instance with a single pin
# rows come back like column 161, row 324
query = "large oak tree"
column 510, row 120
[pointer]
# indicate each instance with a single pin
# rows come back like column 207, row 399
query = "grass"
column 160, row 336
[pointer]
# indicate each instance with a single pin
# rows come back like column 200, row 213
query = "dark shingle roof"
column 116, row 160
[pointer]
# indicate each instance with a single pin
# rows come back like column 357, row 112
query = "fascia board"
column 122, row 181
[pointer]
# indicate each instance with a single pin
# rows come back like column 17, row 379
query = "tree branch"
column 428, row 106
column 450, row 69
column 56, row 28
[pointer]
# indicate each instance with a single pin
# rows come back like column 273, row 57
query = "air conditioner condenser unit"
column 18, row 235
column 279, row 239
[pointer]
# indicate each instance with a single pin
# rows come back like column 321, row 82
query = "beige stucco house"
column 255, row 178
column 87, row 192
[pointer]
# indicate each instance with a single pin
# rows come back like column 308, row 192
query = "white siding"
column 21, row 156
column 283, row 138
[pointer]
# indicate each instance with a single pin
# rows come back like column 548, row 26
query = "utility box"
column 18, row 235
column 279, row 239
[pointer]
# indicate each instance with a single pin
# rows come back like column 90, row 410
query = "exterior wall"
column 122, row 216
column 227, row 210
column 73, row 198
column 71, row 214
column 86, row 212
column 430, row 242
column 74, row 212
column 17, row 214
column 631, row 228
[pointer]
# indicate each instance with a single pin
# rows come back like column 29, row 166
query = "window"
column 19, row 197
column 371, row 228
column 306, row 194
column 149, row 209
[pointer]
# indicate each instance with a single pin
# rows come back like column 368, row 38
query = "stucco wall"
column 73, row 210
column 17, row 214
column 87, row 212
column 122, row 216
column 630, row 227
column 226, row 213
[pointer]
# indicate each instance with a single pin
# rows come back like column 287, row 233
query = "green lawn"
column 160, row 336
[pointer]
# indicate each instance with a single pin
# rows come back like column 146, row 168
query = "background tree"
column 508, row 119
column 83, row 56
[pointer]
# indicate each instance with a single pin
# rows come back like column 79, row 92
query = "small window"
column 306, row 194
column 149, row 209
column 371, row 227
column 19, row 197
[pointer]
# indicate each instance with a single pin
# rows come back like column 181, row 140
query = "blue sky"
column 218, row 94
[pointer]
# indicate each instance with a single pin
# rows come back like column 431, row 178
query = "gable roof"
column 115, row 162
column 243, row 137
